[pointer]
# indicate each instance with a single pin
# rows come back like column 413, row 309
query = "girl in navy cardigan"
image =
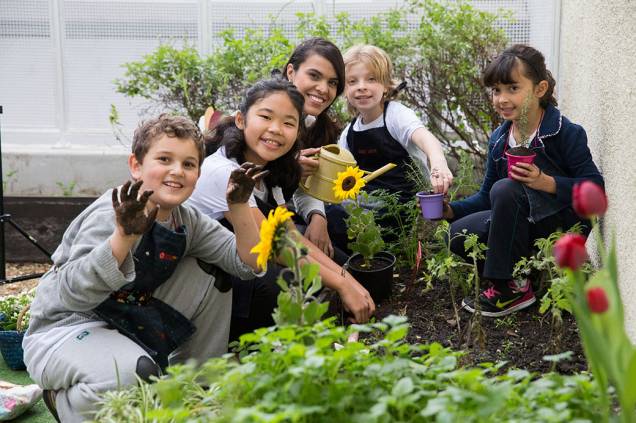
column 510, row 212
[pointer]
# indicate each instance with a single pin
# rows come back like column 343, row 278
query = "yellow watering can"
column 331, row 160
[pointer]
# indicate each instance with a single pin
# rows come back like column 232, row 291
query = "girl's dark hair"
column 324, row 130
column 284, row 171
column 533, row 67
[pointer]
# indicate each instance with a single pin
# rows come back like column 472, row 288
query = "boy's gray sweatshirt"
column 85, row 272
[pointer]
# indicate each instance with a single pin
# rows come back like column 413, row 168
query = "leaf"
column 403, row 387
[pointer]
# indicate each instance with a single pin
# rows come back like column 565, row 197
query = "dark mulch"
column 521, row 339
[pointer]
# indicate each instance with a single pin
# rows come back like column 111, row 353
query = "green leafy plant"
column 173, row 79
column 451, row 45
column 555, row 288
column 447, row 267
column 10, row 308
column 312, row 374
column 362, row 229
column 67, row 189
column 401, row 235
column 299, row 282
column 475, row 251
column 598, row 308
column 441, row 59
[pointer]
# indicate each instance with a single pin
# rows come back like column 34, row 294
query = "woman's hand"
column 242, row 181
column 533, row 177
column 130, row 209
column 317, row 233
column 308, row 163
column 357, row 300
column 441, row 178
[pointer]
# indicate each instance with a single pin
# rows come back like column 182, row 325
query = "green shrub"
column 10, row 308
column 311, row 374
column 441, row 59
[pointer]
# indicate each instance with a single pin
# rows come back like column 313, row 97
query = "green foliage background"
column 438, row 46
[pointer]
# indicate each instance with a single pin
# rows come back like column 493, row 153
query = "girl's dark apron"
column 374, row 148
column 133, row 311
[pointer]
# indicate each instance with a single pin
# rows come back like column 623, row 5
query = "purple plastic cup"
column 512, row 160
column 432, row 205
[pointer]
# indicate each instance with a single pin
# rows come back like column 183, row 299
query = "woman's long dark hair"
column 324, row 130
column 533, row 67
column 283, row 172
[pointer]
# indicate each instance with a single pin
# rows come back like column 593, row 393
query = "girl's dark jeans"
column 507, row 230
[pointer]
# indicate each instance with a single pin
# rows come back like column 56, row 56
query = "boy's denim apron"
column 133, row 311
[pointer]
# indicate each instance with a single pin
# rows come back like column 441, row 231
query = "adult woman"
column 317, row 70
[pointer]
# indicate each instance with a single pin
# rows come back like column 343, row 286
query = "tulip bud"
column 589, row 199
column 569, row 251
column 597, row 300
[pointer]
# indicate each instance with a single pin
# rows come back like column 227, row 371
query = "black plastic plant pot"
column 377, row 278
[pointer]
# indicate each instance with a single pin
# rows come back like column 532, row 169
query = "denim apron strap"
column 149, row 322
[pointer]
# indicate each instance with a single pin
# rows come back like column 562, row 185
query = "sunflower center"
column 348, row 183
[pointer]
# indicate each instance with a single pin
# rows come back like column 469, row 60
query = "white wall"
column 597, row 89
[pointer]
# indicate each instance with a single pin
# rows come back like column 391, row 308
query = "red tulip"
column 589, row 199
column 569, row 251
column 597, row 300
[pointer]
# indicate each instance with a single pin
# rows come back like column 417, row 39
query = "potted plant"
column 14, row 318
column 522, row 153
column 370, row 265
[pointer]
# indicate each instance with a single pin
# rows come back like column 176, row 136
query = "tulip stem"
column 599, row 240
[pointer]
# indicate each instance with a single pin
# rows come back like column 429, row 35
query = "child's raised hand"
column 130, row 209
column 242, row 181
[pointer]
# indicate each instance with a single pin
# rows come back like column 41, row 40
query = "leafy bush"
column 174, row 79
column 441, row 59
column 311, row 374
column 10, row 308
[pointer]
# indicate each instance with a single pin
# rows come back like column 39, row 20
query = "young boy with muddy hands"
column 136, row 283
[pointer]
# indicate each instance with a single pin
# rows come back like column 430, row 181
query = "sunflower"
column 348, row 183
column 270, row 233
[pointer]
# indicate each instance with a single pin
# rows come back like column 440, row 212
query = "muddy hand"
column 242, row 182
column 130, row 211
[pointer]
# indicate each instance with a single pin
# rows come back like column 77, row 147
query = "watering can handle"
column 371, row 176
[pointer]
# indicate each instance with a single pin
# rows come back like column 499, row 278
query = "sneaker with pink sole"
column 497, row 302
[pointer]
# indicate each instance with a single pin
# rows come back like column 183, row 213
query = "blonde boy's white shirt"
column 401, row 122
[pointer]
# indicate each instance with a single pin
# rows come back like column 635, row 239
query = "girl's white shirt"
column 512, row 142
column 401, row 122
column 209, row 194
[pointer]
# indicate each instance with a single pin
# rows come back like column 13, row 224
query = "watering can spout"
column 371, row 176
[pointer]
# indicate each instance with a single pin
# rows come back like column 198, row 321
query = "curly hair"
column 165, row 124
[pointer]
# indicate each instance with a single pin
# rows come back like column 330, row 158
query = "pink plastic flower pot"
column 432, row 205
column 512, row 160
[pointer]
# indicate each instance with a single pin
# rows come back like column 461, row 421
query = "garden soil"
column 521, row 339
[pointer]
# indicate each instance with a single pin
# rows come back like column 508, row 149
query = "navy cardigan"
column 561, row 143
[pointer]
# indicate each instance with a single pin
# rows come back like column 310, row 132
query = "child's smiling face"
column 270, row 128
column 364, row 91
column 508, row 99
column 170, row 168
